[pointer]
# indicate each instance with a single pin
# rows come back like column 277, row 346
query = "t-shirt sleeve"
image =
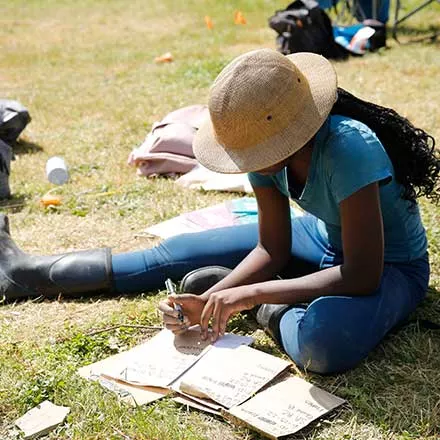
column 277, row 180
column 257, row 179
column 356, row 158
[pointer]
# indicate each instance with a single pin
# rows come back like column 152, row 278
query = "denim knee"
column 322, row 340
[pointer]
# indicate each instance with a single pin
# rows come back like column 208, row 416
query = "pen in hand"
column 171, row 289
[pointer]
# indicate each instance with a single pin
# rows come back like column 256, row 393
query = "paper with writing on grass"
column 165, row 357
column 141, row 395
column 285, row 407
column 231, row 376
column 131, row 394
column 160, row 360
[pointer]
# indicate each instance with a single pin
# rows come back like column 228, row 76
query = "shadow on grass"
column 23, row 146
column 410, row 35
column 13, row 204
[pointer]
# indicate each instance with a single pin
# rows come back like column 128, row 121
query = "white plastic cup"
column 56, row 170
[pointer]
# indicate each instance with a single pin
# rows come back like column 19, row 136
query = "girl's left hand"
column 221, row 306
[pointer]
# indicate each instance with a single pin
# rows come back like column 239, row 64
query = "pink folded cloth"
column 167, row 150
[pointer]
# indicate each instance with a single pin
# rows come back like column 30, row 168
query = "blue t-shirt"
column 347, row 156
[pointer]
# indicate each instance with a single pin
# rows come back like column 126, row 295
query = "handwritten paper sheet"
column 230, row 376
column 131, row 394
column 165, row 357
column 107, row 371
column 161, row 360
column 286, row 407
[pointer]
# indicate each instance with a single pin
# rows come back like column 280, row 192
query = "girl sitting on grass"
column 351, row 269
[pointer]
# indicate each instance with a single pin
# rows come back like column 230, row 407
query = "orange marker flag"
column 165, row 58
column 239, row 18
column 208, row 22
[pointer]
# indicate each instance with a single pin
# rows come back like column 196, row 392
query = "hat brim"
column 322, row 81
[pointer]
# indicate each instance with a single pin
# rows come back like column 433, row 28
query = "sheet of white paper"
column 229, row 340
column 230, row 376
column 285, row 407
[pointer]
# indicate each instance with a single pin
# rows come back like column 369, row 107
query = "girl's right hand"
column 192, row 307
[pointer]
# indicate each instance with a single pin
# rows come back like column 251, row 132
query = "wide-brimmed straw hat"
column 264, row 107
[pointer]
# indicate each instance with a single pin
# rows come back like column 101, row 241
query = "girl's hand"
column 221, row 306
column 192, row 306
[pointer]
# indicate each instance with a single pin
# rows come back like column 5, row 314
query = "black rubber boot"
column 269, row 317
column 200, row 280
column 72, row 274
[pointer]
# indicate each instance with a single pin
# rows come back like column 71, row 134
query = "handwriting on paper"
column 163, row 358
column 286, row 407
column 230, row 376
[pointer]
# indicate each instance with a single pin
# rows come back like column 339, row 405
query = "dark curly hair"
column 411, row 150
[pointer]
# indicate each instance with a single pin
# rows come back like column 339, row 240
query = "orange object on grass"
column 239, row 18
column 165, row 58
column 50, row 200
column 208, row 22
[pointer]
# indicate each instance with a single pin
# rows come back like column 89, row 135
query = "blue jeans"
column 334, row 333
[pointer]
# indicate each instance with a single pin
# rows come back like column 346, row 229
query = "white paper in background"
column 358, row 43
column 202, row 178
column 286, row 407
column 229, row 213
column 230, row 376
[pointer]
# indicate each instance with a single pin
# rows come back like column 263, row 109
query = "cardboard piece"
column 160, row 360
column 165, row 357
column 42, row 419
column 196, row 404
column 131, row 394
column 285, row 407
column 231, row 376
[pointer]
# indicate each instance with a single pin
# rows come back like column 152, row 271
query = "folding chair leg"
column 397, row 20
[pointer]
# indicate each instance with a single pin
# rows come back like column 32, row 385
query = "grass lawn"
column 86, row 71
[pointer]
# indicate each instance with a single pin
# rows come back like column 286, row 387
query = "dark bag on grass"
column 304, row 27
column 13, row 120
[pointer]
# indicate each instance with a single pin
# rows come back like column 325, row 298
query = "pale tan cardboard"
column 231, row 376
column 285, row 407
column 168, row 355
column 133, row 395
column 42, row 419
